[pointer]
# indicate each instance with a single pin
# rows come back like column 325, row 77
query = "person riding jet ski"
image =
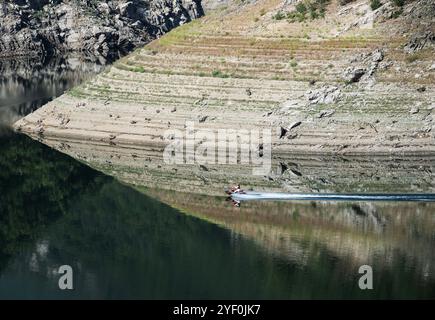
column 234, row 189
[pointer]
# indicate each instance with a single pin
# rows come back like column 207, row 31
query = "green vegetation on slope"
column 307, row 9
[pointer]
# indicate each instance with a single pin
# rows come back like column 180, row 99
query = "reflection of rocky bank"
column 26, row 84
column 380, row 234
column 103, row 28
column 142, row 163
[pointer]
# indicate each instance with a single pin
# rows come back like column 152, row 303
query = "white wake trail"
column 332, row 196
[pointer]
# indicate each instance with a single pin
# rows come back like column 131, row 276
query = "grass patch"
column 180, row 33
column 399, row 11
column 76, row 92
column 138, row 69
column 413, row 57
column 219, row 74
column 278, row 78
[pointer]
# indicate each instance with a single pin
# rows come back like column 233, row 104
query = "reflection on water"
column 144, row 165
column 25, row 85
column 122, row 243
column 396, row 239
column 321, row 244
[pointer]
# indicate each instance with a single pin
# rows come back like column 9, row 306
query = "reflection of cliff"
column 25, row 85
column 382, row 234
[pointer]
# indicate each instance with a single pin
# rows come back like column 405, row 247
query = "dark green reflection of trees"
column 140, row 248
column 36, row 184
column 136, row 247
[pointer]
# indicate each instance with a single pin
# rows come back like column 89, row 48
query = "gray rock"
column 126, row 9
column 325, row 114
column 203, row 119
column 414, row 110
column 282, row 132
column 294, row 125
column 352, row 74
column 326, row 94
column 377, row 55
column 420, row 41
column 367, row 64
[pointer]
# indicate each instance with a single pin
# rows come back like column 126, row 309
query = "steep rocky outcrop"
column 44, row 27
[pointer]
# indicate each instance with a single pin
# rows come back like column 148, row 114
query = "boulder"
column 352, row 74
column 377, row 55
column 327, row 94
column 420, row 41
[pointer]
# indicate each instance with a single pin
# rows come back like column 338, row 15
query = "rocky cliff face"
column 103, row 28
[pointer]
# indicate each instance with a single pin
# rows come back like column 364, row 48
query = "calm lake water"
column 125, row 242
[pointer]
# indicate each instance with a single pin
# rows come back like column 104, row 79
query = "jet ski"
column 234, row 190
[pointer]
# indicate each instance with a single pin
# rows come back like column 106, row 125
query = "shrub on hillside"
column 396, row 13
column 313, row 8
column 399, row 3
column 344, row 2
column 375, row 4
column 279, row 15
